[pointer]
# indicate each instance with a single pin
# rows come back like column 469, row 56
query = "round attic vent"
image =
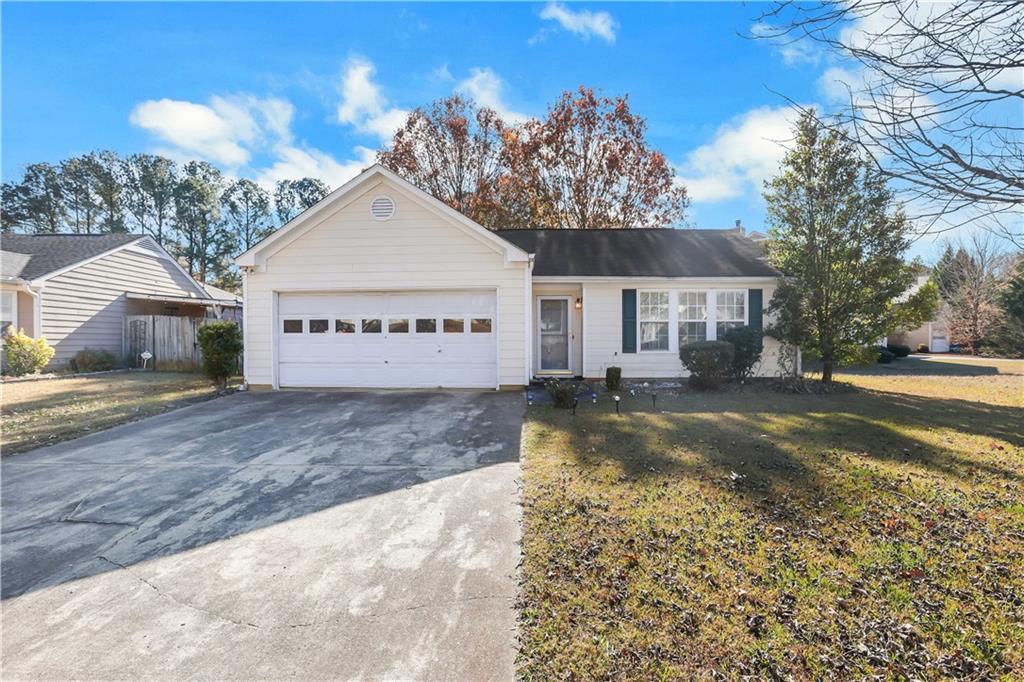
column 382, row 208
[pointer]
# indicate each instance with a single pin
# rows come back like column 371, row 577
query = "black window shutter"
column 629, row 320
column 756, row 313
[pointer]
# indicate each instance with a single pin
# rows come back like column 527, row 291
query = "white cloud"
column 837, row 84
column 583, row 23
column 293, row 163
column 485, row 88
column 442, row 74
column 740, row 156
column 363, row 105
column 792, row 50
column 231, row 130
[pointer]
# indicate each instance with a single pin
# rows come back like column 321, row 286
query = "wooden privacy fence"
column 172, row 341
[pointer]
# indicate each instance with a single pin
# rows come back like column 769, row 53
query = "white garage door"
column 388, row 340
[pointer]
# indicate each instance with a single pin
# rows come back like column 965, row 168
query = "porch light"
column 579, row 303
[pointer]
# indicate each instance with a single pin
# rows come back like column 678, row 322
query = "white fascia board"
column 644, row 281
column 336, row 200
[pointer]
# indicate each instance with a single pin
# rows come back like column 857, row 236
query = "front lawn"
column 48, row 411
column 876, row 531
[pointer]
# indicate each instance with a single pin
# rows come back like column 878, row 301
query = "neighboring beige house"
column 77, row 289
column 932, row 334
column 381, row 285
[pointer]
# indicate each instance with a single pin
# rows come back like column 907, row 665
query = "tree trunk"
column 826, row 370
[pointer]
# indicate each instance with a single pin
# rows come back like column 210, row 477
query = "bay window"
column 653, row 320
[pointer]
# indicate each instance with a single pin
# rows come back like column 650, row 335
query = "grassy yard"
column 48, row 411
column 875, row 531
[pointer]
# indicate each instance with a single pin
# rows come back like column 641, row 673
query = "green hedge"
column 709, row 362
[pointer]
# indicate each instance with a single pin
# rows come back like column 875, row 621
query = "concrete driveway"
column 270, row 535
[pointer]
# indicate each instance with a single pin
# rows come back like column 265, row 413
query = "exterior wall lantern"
column 579, row 303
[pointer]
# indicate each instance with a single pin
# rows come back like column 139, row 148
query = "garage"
column 389, row 339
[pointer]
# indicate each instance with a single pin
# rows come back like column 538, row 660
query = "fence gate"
column 171, row 340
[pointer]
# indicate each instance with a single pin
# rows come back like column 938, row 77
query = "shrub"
column 26, row 355
column 747, row 344
column 922, row 348
column 93, row 361
column 884, row 356
column 709, row 362
column 898, row 350
column 221, row 343
column 613, row 378
column 562, row 392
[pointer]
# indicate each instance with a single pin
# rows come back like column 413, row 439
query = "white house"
column 77, row 289
column 381, row 285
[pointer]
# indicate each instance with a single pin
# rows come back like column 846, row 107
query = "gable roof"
column 642, row 253
column 41, row 254
column 342, row 195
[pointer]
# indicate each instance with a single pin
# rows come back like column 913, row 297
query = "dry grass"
column 49, row 411
column 873, row 532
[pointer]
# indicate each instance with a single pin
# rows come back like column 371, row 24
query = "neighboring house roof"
column 642, row 253
column 46, row 253
column 221, row 294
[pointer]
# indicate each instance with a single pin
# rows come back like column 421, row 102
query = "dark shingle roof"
column 50, row 252
column 642, row 253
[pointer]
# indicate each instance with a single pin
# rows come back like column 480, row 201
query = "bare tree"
column 972, row 286
column 936, row 101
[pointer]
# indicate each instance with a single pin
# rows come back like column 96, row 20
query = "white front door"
column 554, row 334
column 388, row 340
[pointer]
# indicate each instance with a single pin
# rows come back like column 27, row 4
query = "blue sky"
column 271, row 91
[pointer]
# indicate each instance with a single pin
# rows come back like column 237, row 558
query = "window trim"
column 680, row 321
column 746, row 308
column 667, row 321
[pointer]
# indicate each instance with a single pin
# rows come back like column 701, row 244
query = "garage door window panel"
column 398, row 325
column 371, row 326
column 344, row 327
column 454, row 325
column 426, row 325
column 292, row 326
column 480, row 325
column 319, row 326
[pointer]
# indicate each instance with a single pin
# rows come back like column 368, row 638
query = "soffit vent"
column 382, row 208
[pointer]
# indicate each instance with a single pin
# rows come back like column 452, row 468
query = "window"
column 319, row 326
column 371, row 326
column 344, row 327
column 9, row 312
column 398, row 326
column 293, row 326
column 480, row 325
column 653, row 320
column 426, row 325
column 454, row 325
column 730, row 311
column 172, row 311
column 693, row 316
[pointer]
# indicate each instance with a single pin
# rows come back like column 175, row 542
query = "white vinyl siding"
column 85, row 306
column 602, row 330
column 416, row 250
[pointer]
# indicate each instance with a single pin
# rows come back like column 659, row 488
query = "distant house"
column 932, row 335
column 77, row 289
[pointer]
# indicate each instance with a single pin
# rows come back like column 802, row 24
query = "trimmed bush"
column 884, row 356
column 747, row 344
column 562, row 392
column 93, row 361
column 221, row 342
column 898, row 350
column 613, row 378
column 922, row 348
column 26, row 355
column 709, row 362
